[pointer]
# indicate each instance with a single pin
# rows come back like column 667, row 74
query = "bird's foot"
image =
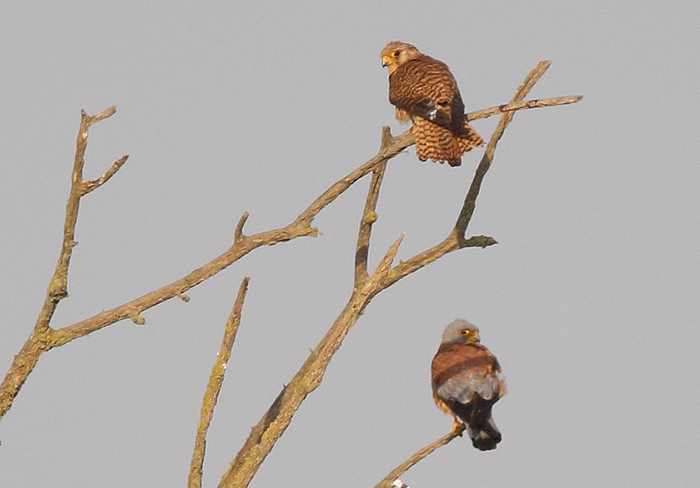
column 458, row 428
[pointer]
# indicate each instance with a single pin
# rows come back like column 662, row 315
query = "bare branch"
column 404, row 268
column 216, row 379
column 340, row 186
column 388, row 482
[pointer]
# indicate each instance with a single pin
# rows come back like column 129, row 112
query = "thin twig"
column 407, row 138
column 216, row 379
column 238, row 233
column 388, row 481
column 369, row 214
column 94, row 184
column 511, row 107
column 384, row 266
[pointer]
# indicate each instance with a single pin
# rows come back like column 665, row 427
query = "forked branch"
column 43, row 336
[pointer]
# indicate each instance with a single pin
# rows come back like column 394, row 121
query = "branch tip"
column 244, row 286
column 137, row 319
column 512, row 107
column 93, row 119
column 385, row 264
column 238, row 233
column 371, row 217
column 106, row 113
column 91, row 185
column 211, row 393
column 478, row 241
column 386, row 138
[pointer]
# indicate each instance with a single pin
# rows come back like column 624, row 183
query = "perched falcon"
column 424, row 91
column 467, row 381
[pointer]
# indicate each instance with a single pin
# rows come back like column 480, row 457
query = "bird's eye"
column 464, row 332
column 396, row 53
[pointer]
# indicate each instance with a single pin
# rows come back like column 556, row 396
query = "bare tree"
column 367, row 284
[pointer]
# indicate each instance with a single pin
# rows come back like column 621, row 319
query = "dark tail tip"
column 487, row 437
column 484, row 442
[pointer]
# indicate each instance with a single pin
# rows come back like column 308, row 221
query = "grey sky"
column 590, row 299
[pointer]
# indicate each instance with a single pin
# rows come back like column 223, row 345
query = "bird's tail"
column 485, row 436
column 469, row 138
column 442, row 144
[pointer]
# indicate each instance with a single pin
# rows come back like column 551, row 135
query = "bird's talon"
column 458, row 428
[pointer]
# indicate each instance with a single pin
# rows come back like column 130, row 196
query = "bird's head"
column 396, row 53
column 461, row 331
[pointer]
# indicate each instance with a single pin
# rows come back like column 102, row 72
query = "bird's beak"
column 385, row 62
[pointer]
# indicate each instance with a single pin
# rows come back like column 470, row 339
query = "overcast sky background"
column 590, row 300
